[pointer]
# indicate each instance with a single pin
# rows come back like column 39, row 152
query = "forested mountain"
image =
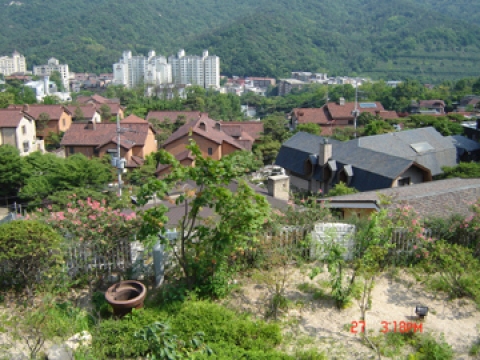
column 428, row 39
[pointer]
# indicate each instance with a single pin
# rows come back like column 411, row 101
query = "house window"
column 24, row 130
column 404, row 181
column 71, row 150
column 26, row 146
column 64, row 123
column 210, row 151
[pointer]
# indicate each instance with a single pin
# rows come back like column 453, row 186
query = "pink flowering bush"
column 92, row 221
column 408, row 227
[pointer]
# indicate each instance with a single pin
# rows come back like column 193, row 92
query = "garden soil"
column 317, row 323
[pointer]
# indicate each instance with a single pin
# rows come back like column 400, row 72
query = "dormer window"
column 202, row 126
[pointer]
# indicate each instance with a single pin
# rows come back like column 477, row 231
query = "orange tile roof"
column 253, row 128
column 210, row 132
column 34, row 110
column 88, row 111
column 162, row 116
column 83, row 134
column 10, row 118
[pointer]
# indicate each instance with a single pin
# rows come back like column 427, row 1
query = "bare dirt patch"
column 316, row 322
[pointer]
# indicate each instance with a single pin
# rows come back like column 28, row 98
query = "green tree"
column 463, row 170
column 377, row 127
column 42, row 121
column 6, row 98
column 341, row 189
column 204, row 245
column 105, row 112
column 308, row 128
column 56, row 77
column 51, row 174
column 145, row 172
column 51, row 100
column 13, row 171
column 32, row 252
column 78, row 114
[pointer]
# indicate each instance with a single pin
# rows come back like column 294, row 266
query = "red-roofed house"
column 18, row 129
column 209, row 136
column 339, row 114
column 428, row 107
column 172, row 116
column 91, row 139
column 99, row 101
column 89, row 113
column 59, row 118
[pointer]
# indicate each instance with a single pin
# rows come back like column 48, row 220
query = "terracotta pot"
column 125, row 296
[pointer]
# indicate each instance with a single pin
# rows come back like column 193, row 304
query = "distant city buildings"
column 52, row 66
column 180, row 69
column 14, row 64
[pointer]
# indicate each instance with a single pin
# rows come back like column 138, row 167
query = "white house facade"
column 18, row 129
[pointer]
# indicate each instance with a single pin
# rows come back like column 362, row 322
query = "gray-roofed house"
column 316, row 164
column 441, row 198
column 467, row 149
column 425, row 146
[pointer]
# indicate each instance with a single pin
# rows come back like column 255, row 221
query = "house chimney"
column 279, row 187
column 341, row 101
column 325, row 152
column 91, row 125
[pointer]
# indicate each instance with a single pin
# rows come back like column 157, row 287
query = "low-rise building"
column 91, row 139
column 54, row 119
column 209, row 136
column 18, row 129
column 338, row 114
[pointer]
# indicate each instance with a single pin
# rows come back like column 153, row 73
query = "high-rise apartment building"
column 52, row 66
column 155, row 70
column 14, row 64
column 131, row 70
column 196, row 70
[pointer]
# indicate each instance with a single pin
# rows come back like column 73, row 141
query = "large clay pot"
column 125, row 296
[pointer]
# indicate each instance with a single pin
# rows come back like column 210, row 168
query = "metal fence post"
column 159, row 263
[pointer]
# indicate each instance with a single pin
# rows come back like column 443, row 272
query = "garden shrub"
column 116, row 338
column 428, row 348
column 225, row 332
column 455, row 270
column 223, row 325
column 30, row 253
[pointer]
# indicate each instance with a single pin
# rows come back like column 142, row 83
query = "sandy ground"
column 319, row 324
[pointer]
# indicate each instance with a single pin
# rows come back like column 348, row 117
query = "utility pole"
column 355, row 111
column 119, row 159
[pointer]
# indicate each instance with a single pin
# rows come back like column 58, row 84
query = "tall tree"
column 204, row 245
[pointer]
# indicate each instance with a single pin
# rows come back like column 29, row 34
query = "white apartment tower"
column 51, row 66
column 196, row 70
column 212, row 70
column 131, row 70
column 155, row 70
column 14, row 64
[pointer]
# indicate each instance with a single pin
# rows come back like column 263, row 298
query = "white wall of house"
column 26, row 137
column 97, row 117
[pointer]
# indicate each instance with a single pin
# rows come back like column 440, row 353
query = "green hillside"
column 429, row 39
